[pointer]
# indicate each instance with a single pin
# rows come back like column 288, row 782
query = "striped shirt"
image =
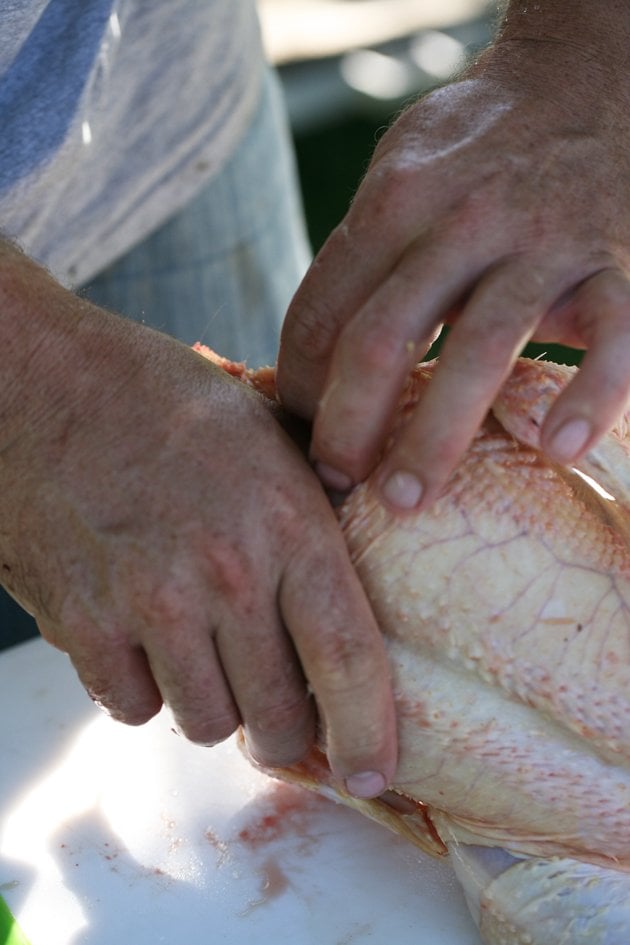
column 113, row 114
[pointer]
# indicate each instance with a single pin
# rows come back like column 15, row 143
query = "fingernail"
column 332, row 478
column 570, row 440
column 366, row 784
column 402, row 489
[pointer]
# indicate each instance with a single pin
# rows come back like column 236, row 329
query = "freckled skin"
column 166, row 532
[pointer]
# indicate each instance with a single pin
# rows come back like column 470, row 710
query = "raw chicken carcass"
column 506, row 610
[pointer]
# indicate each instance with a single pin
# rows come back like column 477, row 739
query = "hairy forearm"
column 34, row 317
column 599, row 32
column 597, row 21
column 60, row 352
column 569, row 58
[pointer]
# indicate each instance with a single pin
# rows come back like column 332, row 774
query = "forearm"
column 39, row 325
column 566, row 60
column 61, row 354
column 159, row 525
column 76, row 382
column 603, row 28
column 594, row 35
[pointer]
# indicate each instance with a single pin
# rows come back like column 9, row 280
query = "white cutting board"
column 112, row 834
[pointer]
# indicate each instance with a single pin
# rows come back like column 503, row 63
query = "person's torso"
column 113, row 113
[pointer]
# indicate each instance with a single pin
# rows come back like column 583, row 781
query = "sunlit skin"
column 506, row 610
column 167, row 534
column 498, row 204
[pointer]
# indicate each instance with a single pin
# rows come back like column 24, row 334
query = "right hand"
column 499, row 204
column 169, row 536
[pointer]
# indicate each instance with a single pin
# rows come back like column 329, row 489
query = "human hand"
column 168, row 535
column 498, row 205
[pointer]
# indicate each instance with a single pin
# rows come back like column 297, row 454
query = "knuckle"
column 468, row 214
column 351, row 449
column 488, row 343
column 230, row 570
column 127, row 706
column 393, row 179
column 376, row 348
column 347, row 662
column 168, row 604
column 278, row 754
column 312, row 320
column 281, row 731
column 525, row 290
column 173, row 598
column 208, row 730
column 311, row 323
column 280, row 717
column 338, row 430
column 136, row 713
column 343, row 446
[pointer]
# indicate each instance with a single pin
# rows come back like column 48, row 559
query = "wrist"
column 595, row 36
column 567, row 58
column 600, row 26
column 27, row 302
column 59, row 350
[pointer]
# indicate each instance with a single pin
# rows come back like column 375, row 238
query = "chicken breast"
column 506, row 610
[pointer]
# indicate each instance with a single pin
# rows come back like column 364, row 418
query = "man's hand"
column 500, row 205
column 169, row 536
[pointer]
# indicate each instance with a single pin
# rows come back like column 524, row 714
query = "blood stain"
column 274, row 882
column 284, row 811
column 219, row 845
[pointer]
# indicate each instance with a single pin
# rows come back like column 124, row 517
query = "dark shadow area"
column 15, row 624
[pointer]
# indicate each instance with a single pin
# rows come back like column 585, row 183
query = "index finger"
column 356, row 258
column 496, row 323
column 343, row 656
column 334, row 287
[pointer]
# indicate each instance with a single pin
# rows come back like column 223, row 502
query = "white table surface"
column 114, row 834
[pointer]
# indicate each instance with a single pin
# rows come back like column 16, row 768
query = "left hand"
column 498, row 204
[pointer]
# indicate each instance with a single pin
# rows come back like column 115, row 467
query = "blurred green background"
column 331, row 161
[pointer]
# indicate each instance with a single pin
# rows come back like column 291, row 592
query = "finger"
column 348, row 269
column 115, row 674
column 269, row 688
column 335, row 286
column 377, row 349
column 189, row 674
column 600, row 391
column 343, row 656
column 478, row 355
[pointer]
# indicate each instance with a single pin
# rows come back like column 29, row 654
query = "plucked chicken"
column 506, row 610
